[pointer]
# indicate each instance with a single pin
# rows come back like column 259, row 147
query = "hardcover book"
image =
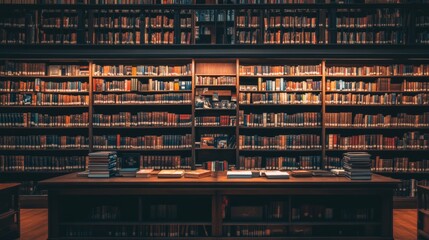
column 171, row 173
column 199, row 173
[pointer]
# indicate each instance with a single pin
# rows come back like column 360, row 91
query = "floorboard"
column 34, row 224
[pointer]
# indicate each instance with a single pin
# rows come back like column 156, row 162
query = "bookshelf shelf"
column 45, row 106
column 215, row 149
column 377, row 150
column 281, row 128
column 286, row 91
column 280, row 76
column 280, row 150
column 365, row 91
column 142, row 127
column 142, row 76
column 167, row 91
column 144, row 150
column 279, row 105
column 197, row 126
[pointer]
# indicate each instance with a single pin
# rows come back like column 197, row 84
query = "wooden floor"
column 34, row 224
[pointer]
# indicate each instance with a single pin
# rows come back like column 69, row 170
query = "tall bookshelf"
column 319, row 22
column 44, row 120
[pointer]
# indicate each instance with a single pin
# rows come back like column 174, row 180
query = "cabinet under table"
column 220, row 208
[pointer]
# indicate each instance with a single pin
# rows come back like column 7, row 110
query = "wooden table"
column 211, row 202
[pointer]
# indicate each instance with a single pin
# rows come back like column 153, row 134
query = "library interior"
column 214, row 119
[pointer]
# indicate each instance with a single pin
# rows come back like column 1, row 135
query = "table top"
column 220, row 180
column 5, row 186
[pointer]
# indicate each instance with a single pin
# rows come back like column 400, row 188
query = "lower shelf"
column 404, row 202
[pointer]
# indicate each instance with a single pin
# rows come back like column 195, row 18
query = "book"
column 276, row 175
column 128, row 172
column 301, row 173
column 144, row 173
column 130, row 160
column 199, row 173
column 338, row 172
column 83, row 174
column 171, row 173
column 239, row 174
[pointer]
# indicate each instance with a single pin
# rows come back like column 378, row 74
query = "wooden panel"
column 215, row 68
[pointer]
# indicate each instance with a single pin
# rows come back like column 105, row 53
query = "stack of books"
column 101, row 164
column 357, row 165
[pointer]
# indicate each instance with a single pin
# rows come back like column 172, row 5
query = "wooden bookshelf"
column 322, row 22
column 422, row 212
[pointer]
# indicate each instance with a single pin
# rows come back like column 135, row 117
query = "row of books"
column 141, row 70
column 32, row 119
column 43, row 99
column 112, row 21
column 422, row 38
column 399, row 164
column 348, row 119
column 296, row 70
column 248, row 36
column 279, row 98
column 124, row 231
column 19, row 163
column 60, row 22
column 165, row 162
column 18, row 22
column 279, row 119
column 142, row 99
column 406, row 188
column 298, row 37
column 252, row 230
column 105, row 213
column 116, row 38
column 9, row 68
column 303, row 21
column 134, row 84
column 381, row 84
column 128, row 119
column 376, row 70
column 222, row 120
column 364, row 37
column 248, row 21
column 140, row 1
column 409, row 140
column 211, row 80
column 16, row 37
column 379, row 18
column 316, row 212
column 44, row 86
column 19, row 68
column 143, row 142
column 280, row 142
column 210, row 15
column 422, row 21
column 280, row 84
column 279, row 163
column 43, row 142
column 371, row 99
